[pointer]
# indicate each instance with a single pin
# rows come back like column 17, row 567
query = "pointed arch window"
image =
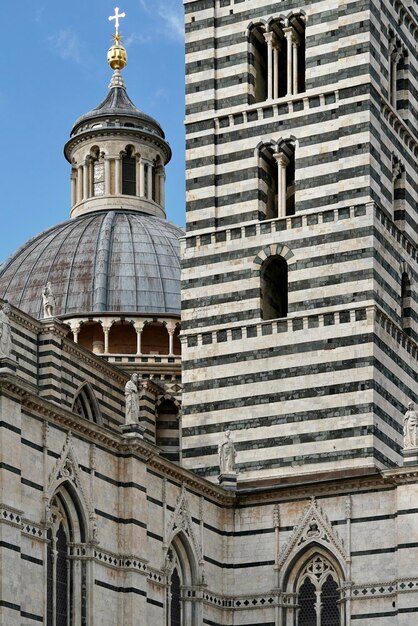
column 318, row 594
column 66, row 580
column 85, row 404
column 183, row 578
column 175, row 604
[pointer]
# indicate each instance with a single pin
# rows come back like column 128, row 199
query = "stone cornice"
column 97, row 362
column 93, row 433
column 402, row 475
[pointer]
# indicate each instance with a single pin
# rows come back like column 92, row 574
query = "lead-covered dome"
column 109, row 261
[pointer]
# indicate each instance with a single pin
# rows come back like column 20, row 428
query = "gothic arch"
column 85, row 404
column 315, row 580
column 66, row 567
column 183, row 576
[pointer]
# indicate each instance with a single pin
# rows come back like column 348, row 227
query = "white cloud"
column 67, row 45
column 171, row 13
column 136, row 38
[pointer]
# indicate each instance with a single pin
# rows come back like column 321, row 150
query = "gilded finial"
column 117, row 56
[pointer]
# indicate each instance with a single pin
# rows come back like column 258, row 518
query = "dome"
column 109, row 261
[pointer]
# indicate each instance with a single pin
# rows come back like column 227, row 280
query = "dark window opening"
column 175, row 605
column 128, row 174
column 274, row 288
column 330, row 614
column 306, row 601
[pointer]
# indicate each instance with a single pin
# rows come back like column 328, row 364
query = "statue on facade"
column 410, row 424
column 5, row 332
column 132, row 400
column 48, row 300
column 227, row 455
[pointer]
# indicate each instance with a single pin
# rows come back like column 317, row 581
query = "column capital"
column 270, row 38
column 289, row 33
column 281, row 158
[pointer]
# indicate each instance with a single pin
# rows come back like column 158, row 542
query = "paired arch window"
column 277, row 58
column 398, row 73
column 318, row 595
column 274, row 288
column 277, row 179
column 66, row 578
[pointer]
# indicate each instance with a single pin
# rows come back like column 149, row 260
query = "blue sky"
column 55, row 69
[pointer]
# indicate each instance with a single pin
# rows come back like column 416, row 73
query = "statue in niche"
column 410, row 423
column 227, row 455
column 48, row 300
column 5, row 332
column 132, row 400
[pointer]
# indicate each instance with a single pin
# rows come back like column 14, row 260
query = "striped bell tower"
column 300, row 260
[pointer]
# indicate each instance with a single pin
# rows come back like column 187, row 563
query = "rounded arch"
column 274, row 288
column 274, row 250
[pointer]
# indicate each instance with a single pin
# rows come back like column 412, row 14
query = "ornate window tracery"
column 318, row 594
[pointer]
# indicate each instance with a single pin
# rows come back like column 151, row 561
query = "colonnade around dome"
column 148, row 339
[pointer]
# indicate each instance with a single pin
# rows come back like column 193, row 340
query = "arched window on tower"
column 406, row 303
column 277, row 180
column 257, row 63
column 398, row 66
column 167, row 429
column 66, row 578
column 274, row 288
column 398, row 191
column 277, row 63
column 129, row 172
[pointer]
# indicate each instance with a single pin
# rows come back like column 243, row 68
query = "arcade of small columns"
column 135, row 336
column 273, row 66
column 87, row 176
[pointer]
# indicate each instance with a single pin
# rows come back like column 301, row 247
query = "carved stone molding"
column 313, row 527
column 181, row 521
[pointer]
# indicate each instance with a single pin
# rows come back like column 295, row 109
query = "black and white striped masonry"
column 301, row 123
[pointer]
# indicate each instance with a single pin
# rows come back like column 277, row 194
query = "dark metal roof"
column 110, row 261
column 118, row 103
